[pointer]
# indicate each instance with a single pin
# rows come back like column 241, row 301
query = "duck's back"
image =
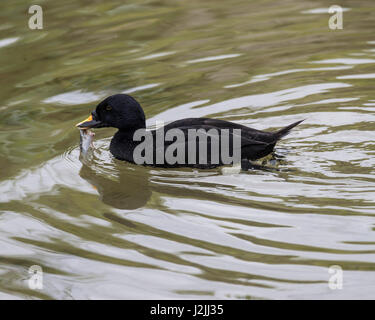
column 198, row 143
column 209, row 143
column 247, row 133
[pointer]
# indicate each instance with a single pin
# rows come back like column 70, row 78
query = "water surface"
column 108, row 229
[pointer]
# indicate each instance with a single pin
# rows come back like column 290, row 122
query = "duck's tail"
column 284, row 131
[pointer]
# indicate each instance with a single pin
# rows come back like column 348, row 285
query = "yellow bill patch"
column 87, row 120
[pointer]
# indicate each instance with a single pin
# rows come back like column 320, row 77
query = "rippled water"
column 108, row 229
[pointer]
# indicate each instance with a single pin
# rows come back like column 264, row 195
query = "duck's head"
column 119, row 111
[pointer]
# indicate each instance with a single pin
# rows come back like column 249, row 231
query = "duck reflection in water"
column 128, row 188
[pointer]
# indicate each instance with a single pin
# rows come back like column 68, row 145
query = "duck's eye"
column 108, row 108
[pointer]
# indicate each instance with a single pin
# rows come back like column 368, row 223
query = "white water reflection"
column 157, row 55
column 358, row 76
column 214, row 58
column 349, row 61
column 264, row 77
column 322, row 10
column 251, row 101
column 143, row 87
column 74, row 97
column 8, row 41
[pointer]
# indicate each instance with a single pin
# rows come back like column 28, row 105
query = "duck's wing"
column 254, row 143
column 248, row 135
column 245, row 145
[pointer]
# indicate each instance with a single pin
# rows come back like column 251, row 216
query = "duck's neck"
column 126, row 134
column 123, row 144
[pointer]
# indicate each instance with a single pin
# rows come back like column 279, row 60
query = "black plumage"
column 123, row 112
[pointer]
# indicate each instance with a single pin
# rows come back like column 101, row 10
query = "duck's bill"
column 90, row 122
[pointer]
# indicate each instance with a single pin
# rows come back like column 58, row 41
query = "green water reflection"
column 108, row 229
